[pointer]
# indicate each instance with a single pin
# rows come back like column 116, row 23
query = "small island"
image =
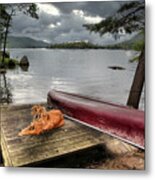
column 11, row 63
column 136, row 43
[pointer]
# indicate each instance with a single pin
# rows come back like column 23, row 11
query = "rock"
column 24, row 68
column 24, row 61
column 116, row 67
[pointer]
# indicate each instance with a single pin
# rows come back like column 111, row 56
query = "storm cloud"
column 63, row 21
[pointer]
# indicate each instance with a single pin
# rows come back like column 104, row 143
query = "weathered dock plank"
column 29, row 150
column 62, row 147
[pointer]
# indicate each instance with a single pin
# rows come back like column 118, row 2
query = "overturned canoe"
column 119, row 121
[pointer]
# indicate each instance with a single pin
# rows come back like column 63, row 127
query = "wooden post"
column 138, row 82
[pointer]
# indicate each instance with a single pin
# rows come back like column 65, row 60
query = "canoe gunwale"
column 119, row 121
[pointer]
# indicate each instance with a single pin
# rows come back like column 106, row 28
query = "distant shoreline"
column 85, row 46
column 135, row 43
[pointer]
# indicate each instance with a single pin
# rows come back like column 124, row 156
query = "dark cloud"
column 63, row 21
column 103, row 9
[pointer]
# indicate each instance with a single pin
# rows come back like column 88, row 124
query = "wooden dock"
column 54, row 145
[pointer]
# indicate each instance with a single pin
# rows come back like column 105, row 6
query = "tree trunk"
column 6, row 35
column 5, row 39
column 138, row 82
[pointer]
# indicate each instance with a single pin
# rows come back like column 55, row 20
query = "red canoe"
column 119, row 121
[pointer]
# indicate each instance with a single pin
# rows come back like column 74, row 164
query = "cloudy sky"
column 62, row 22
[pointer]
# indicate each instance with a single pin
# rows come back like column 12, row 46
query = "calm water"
column 77, row 71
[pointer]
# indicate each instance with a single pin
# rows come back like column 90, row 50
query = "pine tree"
column 129, row 18
column 7, row 11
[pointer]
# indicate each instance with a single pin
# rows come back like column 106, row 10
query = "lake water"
column 84, row 72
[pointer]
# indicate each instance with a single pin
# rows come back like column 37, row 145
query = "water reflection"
column 24, row 68
column 5, row 89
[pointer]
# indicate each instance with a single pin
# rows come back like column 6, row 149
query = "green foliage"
column 129, row 18
column 128, row 6
column 135, row 43
column 5, row 90
column 28, row 9
column 3, row 15
column 7, row 12
column 138, row 46
column 76, row 45
column 136, row 58
column 8, row 61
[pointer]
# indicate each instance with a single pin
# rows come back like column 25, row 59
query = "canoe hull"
column 119, row 121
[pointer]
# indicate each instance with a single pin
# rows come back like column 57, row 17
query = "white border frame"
column 70, row 174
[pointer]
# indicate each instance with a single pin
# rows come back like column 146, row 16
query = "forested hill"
column 25, row 42
column 134, row 43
